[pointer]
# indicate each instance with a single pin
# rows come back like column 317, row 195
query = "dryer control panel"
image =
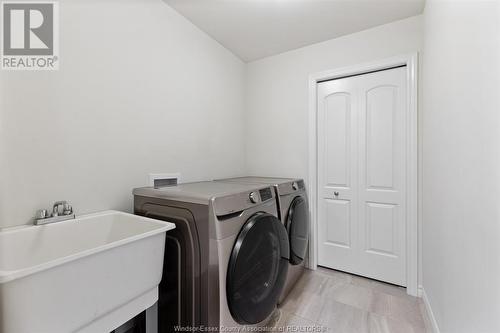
column 240, row 201
column 266, row 194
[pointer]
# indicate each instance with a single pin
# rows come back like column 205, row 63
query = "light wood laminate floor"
column 326, row 300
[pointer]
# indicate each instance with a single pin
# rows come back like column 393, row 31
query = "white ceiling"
column 254, row 29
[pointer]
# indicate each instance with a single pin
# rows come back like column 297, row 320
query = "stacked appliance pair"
column 226, row 263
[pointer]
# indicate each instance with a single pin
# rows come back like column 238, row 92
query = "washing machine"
column 293, row 211
column 226, row 262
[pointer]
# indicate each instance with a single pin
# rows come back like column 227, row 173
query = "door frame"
column 412, row 248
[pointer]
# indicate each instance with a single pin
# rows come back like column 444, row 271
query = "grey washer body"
column 208, row 218
column 286, row 190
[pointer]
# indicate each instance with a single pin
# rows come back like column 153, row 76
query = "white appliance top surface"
column 201, row 192
column 261, row 180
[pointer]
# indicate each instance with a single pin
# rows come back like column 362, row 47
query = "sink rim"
column 11, row 275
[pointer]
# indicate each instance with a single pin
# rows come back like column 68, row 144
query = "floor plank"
column 334, row 301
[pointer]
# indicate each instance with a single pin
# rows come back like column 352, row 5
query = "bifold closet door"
column 361, row 175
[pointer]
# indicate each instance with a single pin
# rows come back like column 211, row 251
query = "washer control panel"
column 238, row 202
column 266, row 194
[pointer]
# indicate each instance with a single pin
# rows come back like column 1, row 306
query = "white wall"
column 277, row 92
column 3, row 177
column 461, row 190
column 139, row 90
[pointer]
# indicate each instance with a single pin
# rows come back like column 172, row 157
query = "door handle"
column 336, row 194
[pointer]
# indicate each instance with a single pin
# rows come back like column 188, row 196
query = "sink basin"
column 89, row 274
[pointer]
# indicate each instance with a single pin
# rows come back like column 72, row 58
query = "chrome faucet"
column 43, row 216
column 57, row 204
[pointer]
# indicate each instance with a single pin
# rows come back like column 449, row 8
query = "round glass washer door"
column 297, row 225
column 257, row 269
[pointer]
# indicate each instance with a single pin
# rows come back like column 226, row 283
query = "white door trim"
column 410, row 61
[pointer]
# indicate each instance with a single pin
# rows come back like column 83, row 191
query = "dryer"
column 227, row 260
column 293, row 211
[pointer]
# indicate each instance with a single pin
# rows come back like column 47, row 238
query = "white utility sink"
column 89, row 274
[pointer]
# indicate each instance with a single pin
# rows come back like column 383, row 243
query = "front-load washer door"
column 257, row 269
column 297, row 225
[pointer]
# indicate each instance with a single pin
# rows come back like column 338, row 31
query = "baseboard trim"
column 430, row 314
column 420, row 291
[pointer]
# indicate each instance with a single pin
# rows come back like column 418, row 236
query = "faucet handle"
column 41, row 214
column 67, row 209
